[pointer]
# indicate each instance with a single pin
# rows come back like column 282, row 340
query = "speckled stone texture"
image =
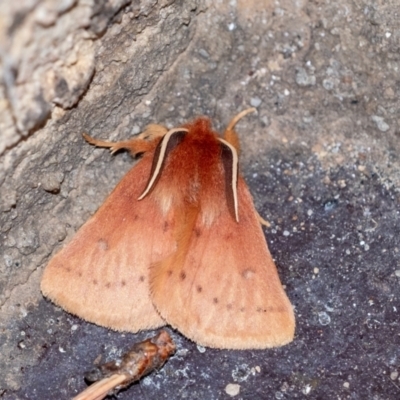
column 321, row 159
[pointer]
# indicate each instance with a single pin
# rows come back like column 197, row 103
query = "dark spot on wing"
column 229, row 306
column 166, row 226
column 141, row 278
column 169, row 272
column 123, row 283
column 94, row 281
column 108, row 285
column 215, row 300
column 199, row 289
column 197, row 232
column 182, row 275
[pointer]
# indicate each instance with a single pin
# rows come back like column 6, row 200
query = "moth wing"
column 102, row 275
column 226, row 290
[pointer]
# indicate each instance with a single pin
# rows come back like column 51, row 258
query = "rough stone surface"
column 321, row 159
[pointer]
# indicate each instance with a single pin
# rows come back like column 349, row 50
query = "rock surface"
column 321, row 159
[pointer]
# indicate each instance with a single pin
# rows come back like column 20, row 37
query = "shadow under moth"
column 177, row 242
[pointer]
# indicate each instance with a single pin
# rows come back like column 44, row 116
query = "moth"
column 177, row 242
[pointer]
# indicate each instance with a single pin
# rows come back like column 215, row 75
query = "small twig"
column 100, row 389
column 140, row 360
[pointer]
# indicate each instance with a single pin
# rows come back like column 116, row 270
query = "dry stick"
column 100, row 389
column 140, row 360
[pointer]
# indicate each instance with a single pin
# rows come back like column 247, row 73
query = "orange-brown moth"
column 177, row 242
